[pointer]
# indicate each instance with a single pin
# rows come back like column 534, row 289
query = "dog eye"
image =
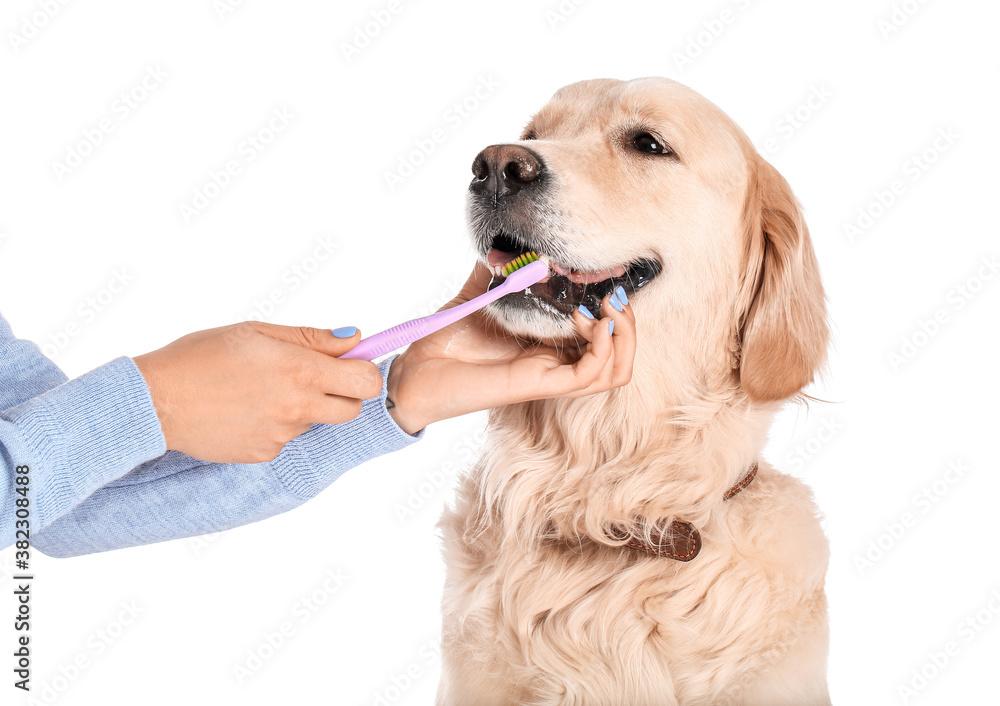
column 644, row 142
column 529, row 136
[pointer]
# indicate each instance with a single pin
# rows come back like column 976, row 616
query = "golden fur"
column 540, row 605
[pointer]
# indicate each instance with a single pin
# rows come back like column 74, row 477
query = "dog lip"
column 558, row 293
column 498, row 259
column 559, row 268
column 499, row 256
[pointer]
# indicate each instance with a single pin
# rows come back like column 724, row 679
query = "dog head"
column 647, row 185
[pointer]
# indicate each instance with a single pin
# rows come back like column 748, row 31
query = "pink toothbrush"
column 521, row 273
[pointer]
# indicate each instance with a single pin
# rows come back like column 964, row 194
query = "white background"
column 886, row 437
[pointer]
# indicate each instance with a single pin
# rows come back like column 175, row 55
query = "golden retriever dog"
column 632, row 547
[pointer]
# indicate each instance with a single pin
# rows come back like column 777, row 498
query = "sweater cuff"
column 86, row 433
column 311, row 462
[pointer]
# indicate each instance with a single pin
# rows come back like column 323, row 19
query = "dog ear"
column 781, row 307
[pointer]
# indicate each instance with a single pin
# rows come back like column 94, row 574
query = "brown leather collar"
column 679, row 540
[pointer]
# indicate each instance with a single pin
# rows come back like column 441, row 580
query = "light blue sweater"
column 101, row 477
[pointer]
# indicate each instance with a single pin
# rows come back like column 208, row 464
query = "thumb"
column 321, row 340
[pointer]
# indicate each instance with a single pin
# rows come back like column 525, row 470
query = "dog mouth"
column 567, row 288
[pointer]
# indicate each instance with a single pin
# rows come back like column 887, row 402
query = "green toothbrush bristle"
column 518, row 262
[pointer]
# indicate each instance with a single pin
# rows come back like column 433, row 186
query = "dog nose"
column 503, row 170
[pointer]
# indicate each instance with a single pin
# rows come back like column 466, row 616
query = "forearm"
column 314, row 460
column 155, row 504
column 170, row 498
column 74, row 439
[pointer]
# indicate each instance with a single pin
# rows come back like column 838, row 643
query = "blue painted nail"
column 615, row 303
column 585, row 311
column 345, row 331
column 620, row 293
column 611, row 327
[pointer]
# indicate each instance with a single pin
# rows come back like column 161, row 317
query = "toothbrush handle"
column 409, row 331
column 389, row 340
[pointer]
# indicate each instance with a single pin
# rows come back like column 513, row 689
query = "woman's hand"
column 472, row 365
column 239, row 393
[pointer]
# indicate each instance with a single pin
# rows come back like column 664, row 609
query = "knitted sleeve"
column 100, row 477
column 176, row 496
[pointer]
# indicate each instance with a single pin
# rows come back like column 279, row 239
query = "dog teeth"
column 573, row 275
column 497, row 270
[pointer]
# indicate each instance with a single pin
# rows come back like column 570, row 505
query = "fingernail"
column 620, row 293
column 615, row 303
column 345, row 331
column 585, row 311
column 611, row 327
